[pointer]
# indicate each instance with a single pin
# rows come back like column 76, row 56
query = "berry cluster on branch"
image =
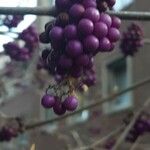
column 8, row 132
column 132, row 40
column 141, row 126
column 23, row 48
column 12, row 20
column 80, row 31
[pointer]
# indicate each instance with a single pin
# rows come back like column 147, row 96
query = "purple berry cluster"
column 70, row 103
column 132, row 40
column 141, row 126
column 81, row 30
column 12, row 21
column 30, row 38
column 8, row 132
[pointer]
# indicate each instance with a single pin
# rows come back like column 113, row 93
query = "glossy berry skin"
column 105, row 18
column 90, row 43
column 113, row 34
column 92, row 14
column 85, row 27
column 76, row 11
column 70, row 32
column 104, row 45
column 100, row 30
column 80, row 31
column 58, row 107
column 74, row 48
column 56, row 34
column 89, row 3
column 48, row 101
column 70, row 103
column 116, row 22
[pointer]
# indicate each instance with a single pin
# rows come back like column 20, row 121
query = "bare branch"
column 124, row 134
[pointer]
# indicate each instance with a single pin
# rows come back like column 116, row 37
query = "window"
column 20, row 143
column 121, row 4
column 118, row 77
column 46, row 115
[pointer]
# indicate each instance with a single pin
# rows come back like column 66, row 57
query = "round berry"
column 48, row 101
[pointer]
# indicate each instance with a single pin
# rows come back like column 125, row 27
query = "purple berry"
column 56, row 34
column 100, row 30
column 92, row 14
column 113, row 34
column 85, row 27
column 90, row 43
column 48, row 101
column 89, row 3
column 76, row 11
column 106, row 19
column 74, row 48
column 116, row 22
column 104, row 45
column 58, row 107
column 70, row 103
column 70, row 32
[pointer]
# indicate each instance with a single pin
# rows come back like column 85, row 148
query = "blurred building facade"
column 114, row 72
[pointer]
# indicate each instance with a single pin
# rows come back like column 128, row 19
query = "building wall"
column 140, row 64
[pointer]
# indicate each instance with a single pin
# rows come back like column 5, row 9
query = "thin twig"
column 51, row 11
column 40, row 11
column 90, row 106
column 141, row 145
column 126, row 131
column 102, row 140
column 134, row 146
column 66, row 140
column 77, row 138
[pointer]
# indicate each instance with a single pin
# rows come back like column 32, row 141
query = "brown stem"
column 97, row 103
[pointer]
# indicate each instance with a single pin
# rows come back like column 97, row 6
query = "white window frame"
column 104, row 79
column 81, row 117
column 50, row 128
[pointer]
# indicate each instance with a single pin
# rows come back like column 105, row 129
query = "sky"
column 23, row 25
